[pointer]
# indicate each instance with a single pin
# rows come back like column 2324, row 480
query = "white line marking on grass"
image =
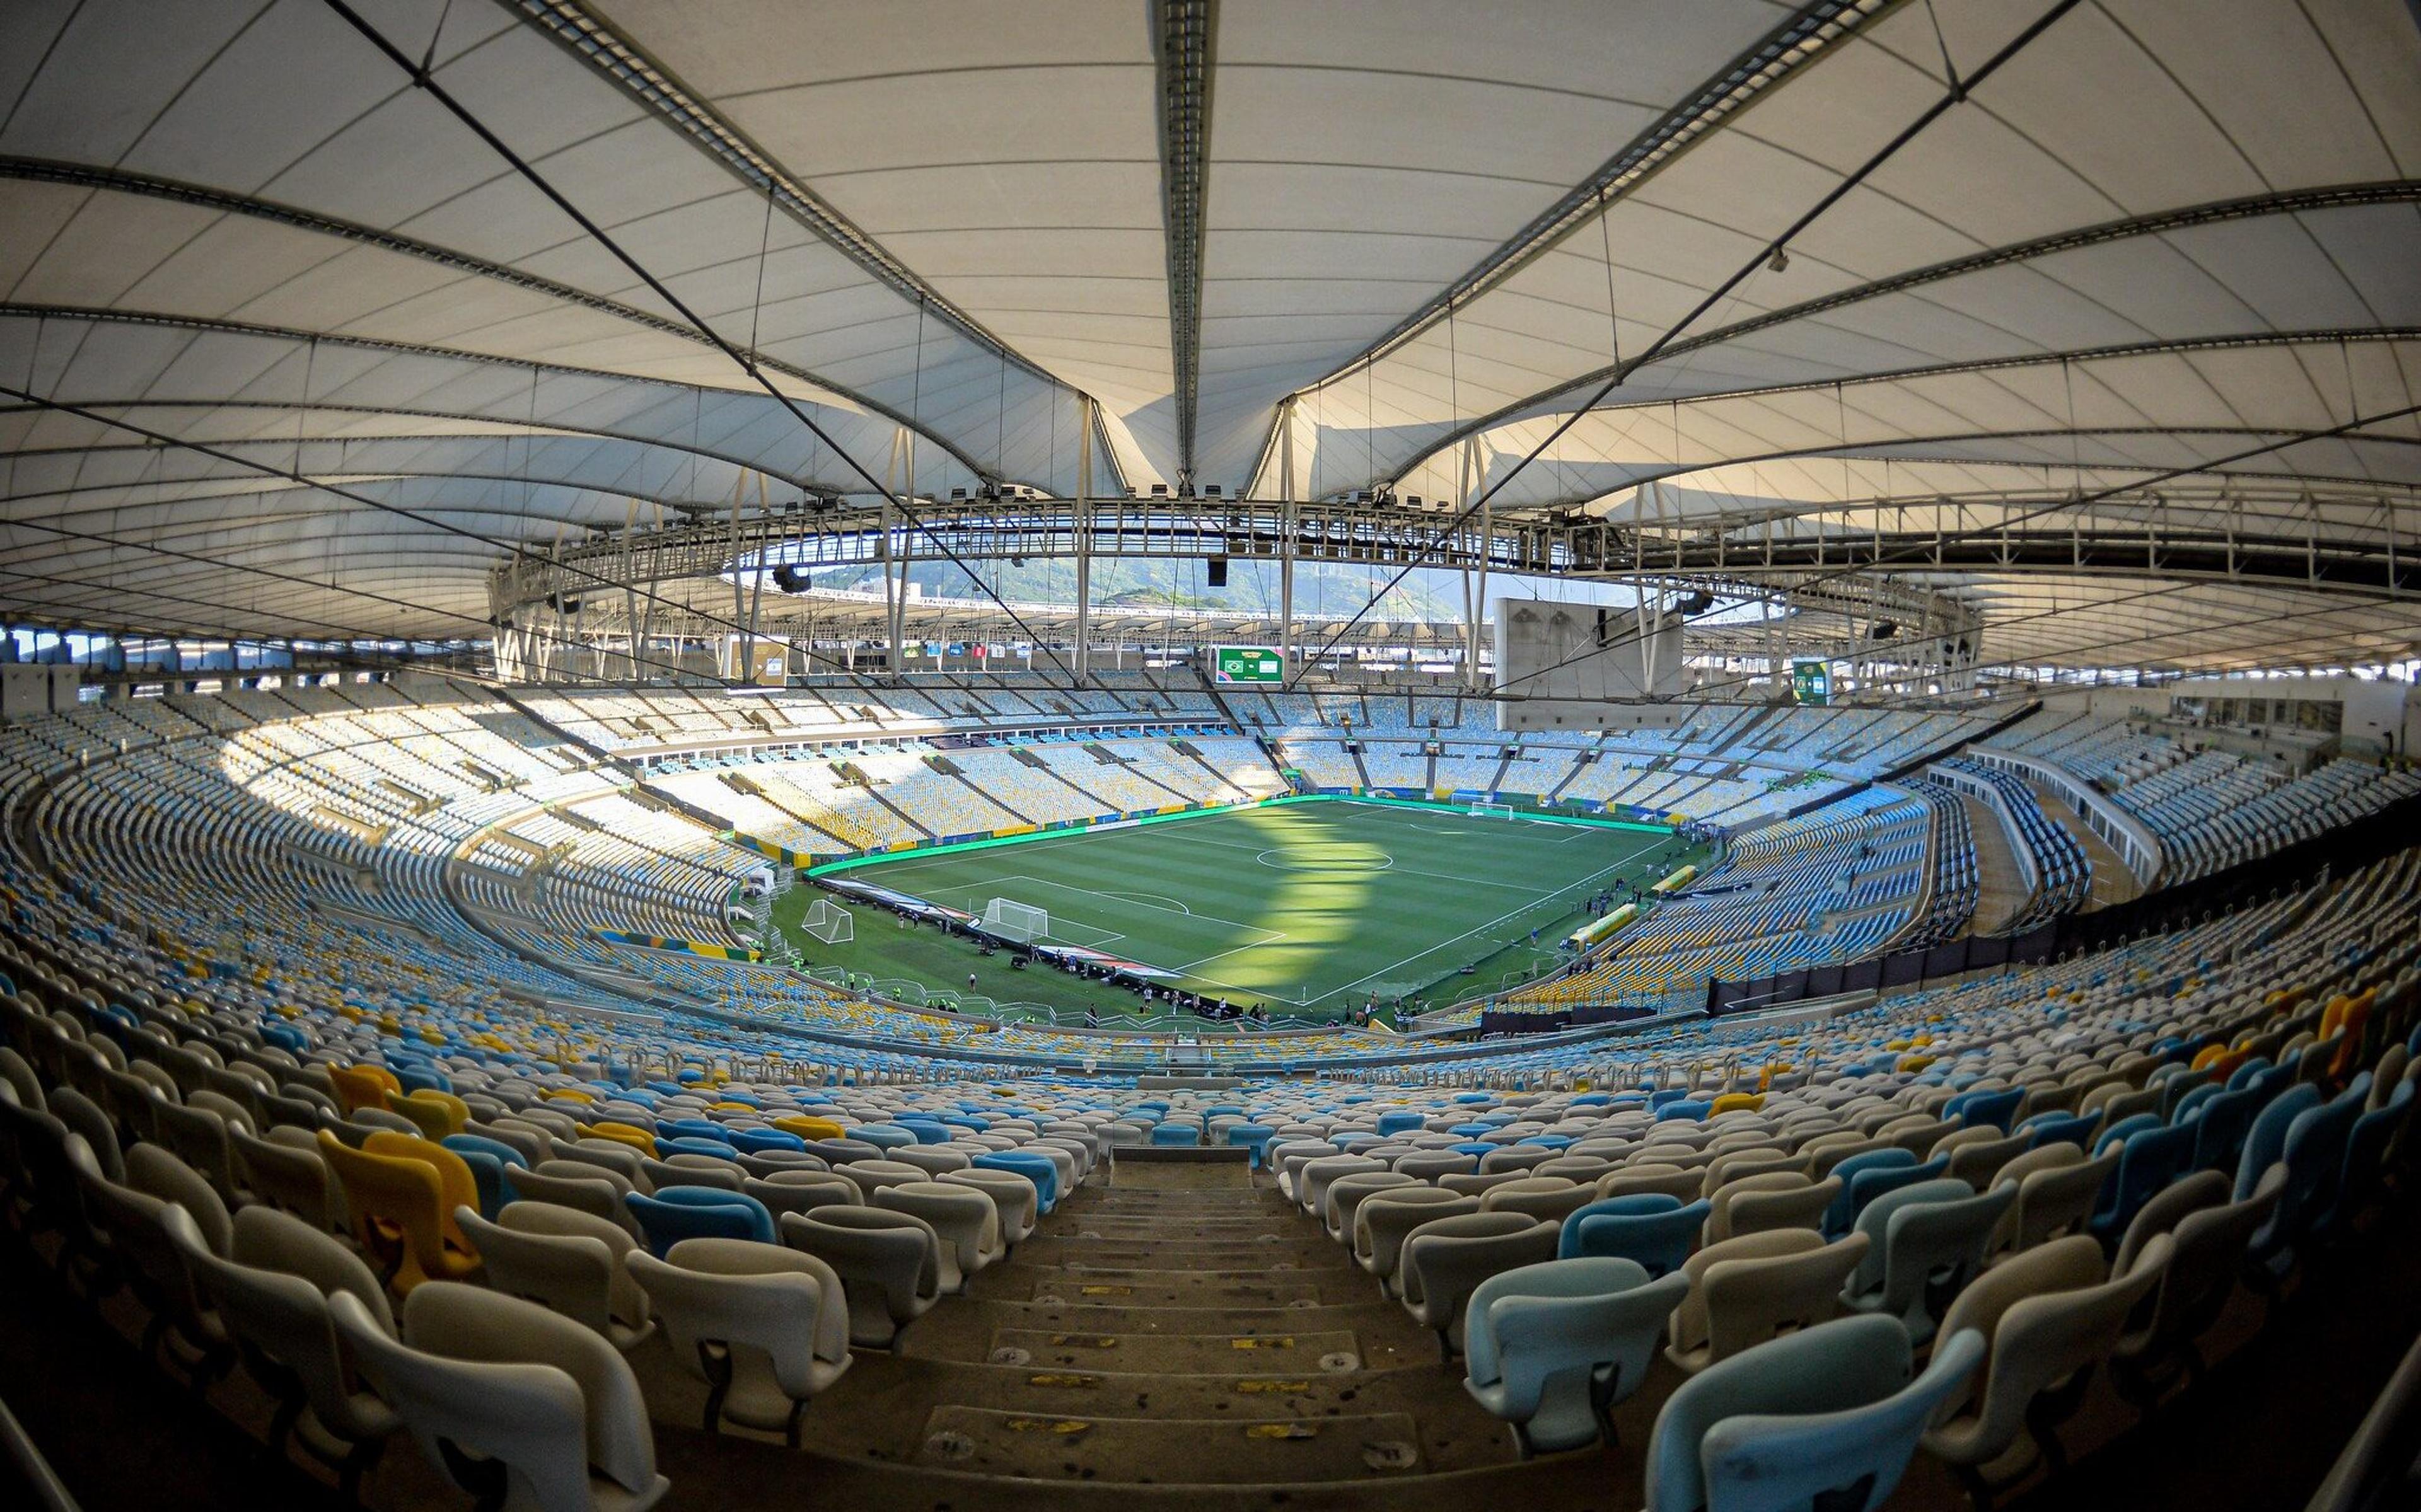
column 1250, row 944
column 1176, row 904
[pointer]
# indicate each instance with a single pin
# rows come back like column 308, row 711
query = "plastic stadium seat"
column 271, row 1292
column 571, row 1433
column 1653, row 1230
column 2148, row 1161
column 765, row 1327
column 1927, row 1240
column 1828, row 1416
column 1385, row 1217
column 1347, row 1194
column 568, row 1262
column 1014, row 1198
column 1443, row 1260
column 1258, row 1137
column 1553, row 1347
column 1035, row 1168
column 889, row 1264
column 964, row 1220
column 2047, row 1317
column 401, row 1209
column 1745, row 1291
column 676, row 1213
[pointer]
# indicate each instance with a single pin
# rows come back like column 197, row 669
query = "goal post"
column 829, row 922
column 1022, row 922
column 1492, row 811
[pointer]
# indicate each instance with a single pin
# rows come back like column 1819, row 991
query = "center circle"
column 1325, row 857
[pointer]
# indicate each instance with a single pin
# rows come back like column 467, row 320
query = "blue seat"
column 2198, row 1096
column 1176, row 1132
column 1258, row 1136
column 2366, row 1156
column 419, row 1077
column 705, row 1129
column 2060, row 1129
column 1552, row 1348
column 885, row 1136
column 1871, row 1183
column 765, row 1141
column 1399, row 1123
column 2148, row 1161
column 2265, row 1142
column 1976, row 1109
column 676, row 1213
column 1826, row 1417
column 1694, row 1111
column 2123, row 1131
column 2314, row 1152
column 1843, row 1214
column 1035, row 1168
column 487, row 1159
column 1652, row 1229
column 2220, row 1123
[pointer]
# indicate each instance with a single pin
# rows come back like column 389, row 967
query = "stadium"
column 1359, row 755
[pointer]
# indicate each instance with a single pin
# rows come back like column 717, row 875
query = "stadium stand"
column 1209, row 758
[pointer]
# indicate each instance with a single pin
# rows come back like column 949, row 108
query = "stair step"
column 1176, row 1228
column 964, row 1330
column 1271, row 1253
column 1329, row 1351
column 1052, row 1285
column 1195, row 1452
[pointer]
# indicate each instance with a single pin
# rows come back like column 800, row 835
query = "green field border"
column 987, row 843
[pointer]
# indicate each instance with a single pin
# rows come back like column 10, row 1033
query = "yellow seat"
column 1735, row 1102
column 807, row 1127
column 401, row 1209
column 362, row 1086
column 437, row 1114
column 631, row 1134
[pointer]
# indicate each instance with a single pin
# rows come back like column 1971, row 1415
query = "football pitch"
column 1310, row 906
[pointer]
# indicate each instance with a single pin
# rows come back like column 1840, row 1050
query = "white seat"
column 512, row 1402
column 962, row 1218
column 765, row 1327
column 889, row 1263
column 565, row 1260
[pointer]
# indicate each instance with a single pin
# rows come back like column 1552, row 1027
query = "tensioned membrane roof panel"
column 292, row 344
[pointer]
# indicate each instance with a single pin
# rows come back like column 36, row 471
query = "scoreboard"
column 1811, row 683
column 1247, row 663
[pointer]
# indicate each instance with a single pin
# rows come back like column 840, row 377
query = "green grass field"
column 1305, row 908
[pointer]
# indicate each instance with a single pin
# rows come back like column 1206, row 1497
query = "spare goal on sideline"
column 829, row 922
column 1021, row 922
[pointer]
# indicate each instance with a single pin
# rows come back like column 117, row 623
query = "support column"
column 1287, row 529
column 1467, row 477
column 1084, row 530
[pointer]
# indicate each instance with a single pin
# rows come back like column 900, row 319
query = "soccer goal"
column 1011, row 920
column 829, row 922
column 1492, row 811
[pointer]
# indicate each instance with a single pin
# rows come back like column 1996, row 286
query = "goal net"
column 829, row 922
column 1011, row 920
column 1492, row 811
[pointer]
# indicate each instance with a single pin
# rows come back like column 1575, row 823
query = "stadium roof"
column 316, row 309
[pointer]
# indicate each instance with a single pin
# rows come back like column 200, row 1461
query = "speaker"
column 1884, row 630
column 789, row 578
column 1697, row 603
column 1216, row 569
